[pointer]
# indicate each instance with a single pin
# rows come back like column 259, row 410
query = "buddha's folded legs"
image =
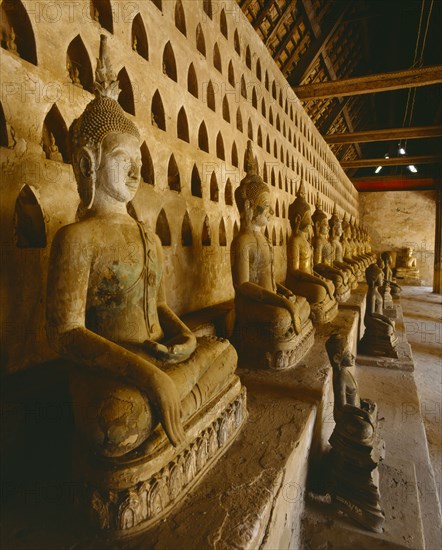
column 113, row 418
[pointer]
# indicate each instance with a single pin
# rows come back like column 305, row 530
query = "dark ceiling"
column 314, row 41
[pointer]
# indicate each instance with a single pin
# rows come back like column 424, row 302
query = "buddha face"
column 118, row 175
column 323, row 228
column 262, row 211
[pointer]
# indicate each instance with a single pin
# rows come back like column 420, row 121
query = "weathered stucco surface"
column 402, row 218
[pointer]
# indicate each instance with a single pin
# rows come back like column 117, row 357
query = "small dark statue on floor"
column 356, row 445
column 380, row 336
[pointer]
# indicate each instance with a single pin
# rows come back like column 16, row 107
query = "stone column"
column 437, row 281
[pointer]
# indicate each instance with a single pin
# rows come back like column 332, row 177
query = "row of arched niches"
column 228, row 96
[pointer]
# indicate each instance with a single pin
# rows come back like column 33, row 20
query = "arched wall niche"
column 29, row 220
column 55, row 139
column 169, row 62
column 183, row 126
column 217, row 58
column 222, row 235
column 180, row 18
column 162, row 229
column 203, row 138
column 211, row 96
column 226, row 109
column 239, row 125
column 231, row 74
column 147, row 169
column 126, row 97
column 235, row 161
column 101, row 12
column 214, row 190
column 3, row 128
column 258, row 70
column 173, row 175
column 207, row 7
column 195, row 183
column 228, row 193
column 235, row 229
column 200, row 40
column 192, row 81
column 250, row 129
column 79, row 65
column 157, row 110
column 243, row 87
column 206, row 234
column 236, row 42
column 140, row 44
column 17, row 34
column 223, row 24
column 248, row 58
column 186, row 231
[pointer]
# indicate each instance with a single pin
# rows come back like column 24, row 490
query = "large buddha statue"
column 335, row 233
column 407, row 272
column 323, row 255
column 379, row 337
column 348, row 250
column 152, row 404
column 319, row 291
column 272, row 328
column 356, row 446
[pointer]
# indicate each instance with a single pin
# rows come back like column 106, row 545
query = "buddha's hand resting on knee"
column 165, row 398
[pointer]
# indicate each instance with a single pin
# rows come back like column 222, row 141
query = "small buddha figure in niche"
column 74, row 74
column 320, row 292
column 348, row 249
column 379, row 337
column 10, row 42
column 335, row 232
column 271, row 321
column 135, row 43
column 135, row 364
column 356, row 446
column 388, row 274
column 52, row 151
column 323, row 255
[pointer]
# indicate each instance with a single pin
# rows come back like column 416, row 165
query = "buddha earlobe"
column 86, row 188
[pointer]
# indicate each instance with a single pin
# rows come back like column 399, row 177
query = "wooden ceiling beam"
column 245, row 4
column 383, row 82
column 395, row 183
column 387, row 134
column 317, row 46
column 283, row 17
column 262, row 14
column 397, row 161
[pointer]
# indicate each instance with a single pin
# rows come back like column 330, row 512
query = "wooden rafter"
column 395, row 183
column 262, row 14
column 397, row 161
column 317, row 46
column 383, row 82
column 282, row 18
column 385, row 135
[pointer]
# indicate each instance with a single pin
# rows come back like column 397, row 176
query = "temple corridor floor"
column 423, row 324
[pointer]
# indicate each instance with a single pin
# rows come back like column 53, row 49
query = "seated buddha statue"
column 323, row 255
column 137, row 372
column 358, row 253
column 272, row 327
column 356, row 446
column 407, row 271
column 348, row 249
column 379, row 337
column 319, row 291
column 335, row 232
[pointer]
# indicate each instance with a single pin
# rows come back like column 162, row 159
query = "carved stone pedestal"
column 378, row 345
column 258, row 347
column 134, row 492
column 355, row 479
column 343, row 296
column 324, row 312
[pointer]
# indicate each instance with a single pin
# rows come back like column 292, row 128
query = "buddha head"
column 319, row 219
column 105, row 144
column 374, row 275
column 338, row 351
column 299, row 211
column 386, row 257
column 335, row 224
column 253, row 195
